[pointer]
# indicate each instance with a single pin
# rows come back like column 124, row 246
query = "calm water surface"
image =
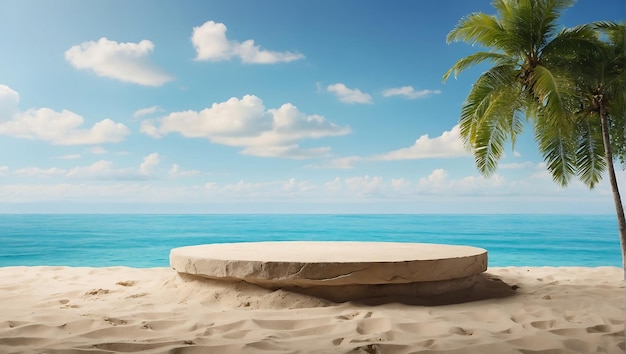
column 145, row 240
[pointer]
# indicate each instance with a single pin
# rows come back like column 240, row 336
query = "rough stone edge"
column 313, row 274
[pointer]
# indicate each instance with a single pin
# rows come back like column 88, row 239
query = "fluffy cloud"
column 342, row 163
column 59, row 128
column 39, row 172
column 175, row 171
column 97, row 150
column 348, row 95
column 105, row 170
column 211, row 43
column 435, row 191
column 409, row 92
column 291, row 152
column 62, row 128
column 439, row 183
column 149, row 163
column 9, row 100
column 365, row 185
column 448, row 144
column 145, row 111
column 247, row 123
column 295, row 186
column 101, row 170
column 127, row 62
column 516, row 165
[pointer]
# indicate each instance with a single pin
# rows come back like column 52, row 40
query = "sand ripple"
column 125, row 310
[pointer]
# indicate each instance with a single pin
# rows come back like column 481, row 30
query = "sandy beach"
column 155, row 310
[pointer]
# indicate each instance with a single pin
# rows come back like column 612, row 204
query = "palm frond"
column 547, row 14
column 590, row 151
column 570, row 45
column 494, row 129
column 553, row 91
column 505, row 9
column 476, row 28
column 558, row 147
column 489, row 116
column 474, row 59
column 607, row 25
column 519, row 28
column 480, row 97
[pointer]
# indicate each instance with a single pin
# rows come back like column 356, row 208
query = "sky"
column 232, row 106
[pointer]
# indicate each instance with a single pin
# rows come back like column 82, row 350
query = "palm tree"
column 600, row 81
column 531, row 80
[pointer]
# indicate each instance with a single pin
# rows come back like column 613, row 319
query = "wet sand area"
column 339, row 271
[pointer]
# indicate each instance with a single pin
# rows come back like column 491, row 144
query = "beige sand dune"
column 128, row 310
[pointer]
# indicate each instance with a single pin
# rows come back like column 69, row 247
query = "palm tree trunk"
column 619, row 208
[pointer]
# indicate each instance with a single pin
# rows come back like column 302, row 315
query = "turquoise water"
column 145, row 240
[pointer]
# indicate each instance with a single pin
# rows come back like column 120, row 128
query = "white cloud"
column 348, row 95
column 366, row 185
column 97, row 150
column 479, row 185
column 145, row 111
column 105, row 170
column 149, row 163
column 342, row 163
column 290, row 152
column 98, row 170
column 515, row 165
column 127, row 62
column 333, row 186
column 409, row 92
column 115, row 192
column 69, row 157
column 541, row 172
column 59, row 128
column 175, row 171
column 273, row 190
column 356, row 186
column 448, row 144
column 401, row 184
column 147, row 127
column 9, row 100
column 211, row 43
column 436, row 191
column 294, row 186
column 39, row 172
column 438, row 176
column 438, row 182
column 247, row 123
column 62, row 128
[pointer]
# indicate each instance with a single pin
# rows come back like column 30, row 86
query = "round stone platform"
column 314, row 264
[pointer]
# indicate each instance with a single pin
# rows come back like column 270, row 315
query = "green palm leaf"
column 475, row 59
column 590, row 151
column 558, row 150
column 477, row 28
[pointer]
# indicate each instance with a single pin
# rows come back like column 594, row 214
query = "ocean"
column 131, row 240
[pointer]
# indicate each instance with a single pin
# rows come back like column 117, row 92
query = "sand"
column 128, row 310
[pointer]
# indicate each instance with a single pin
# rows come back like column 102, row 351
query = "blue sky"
column 254, row 107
